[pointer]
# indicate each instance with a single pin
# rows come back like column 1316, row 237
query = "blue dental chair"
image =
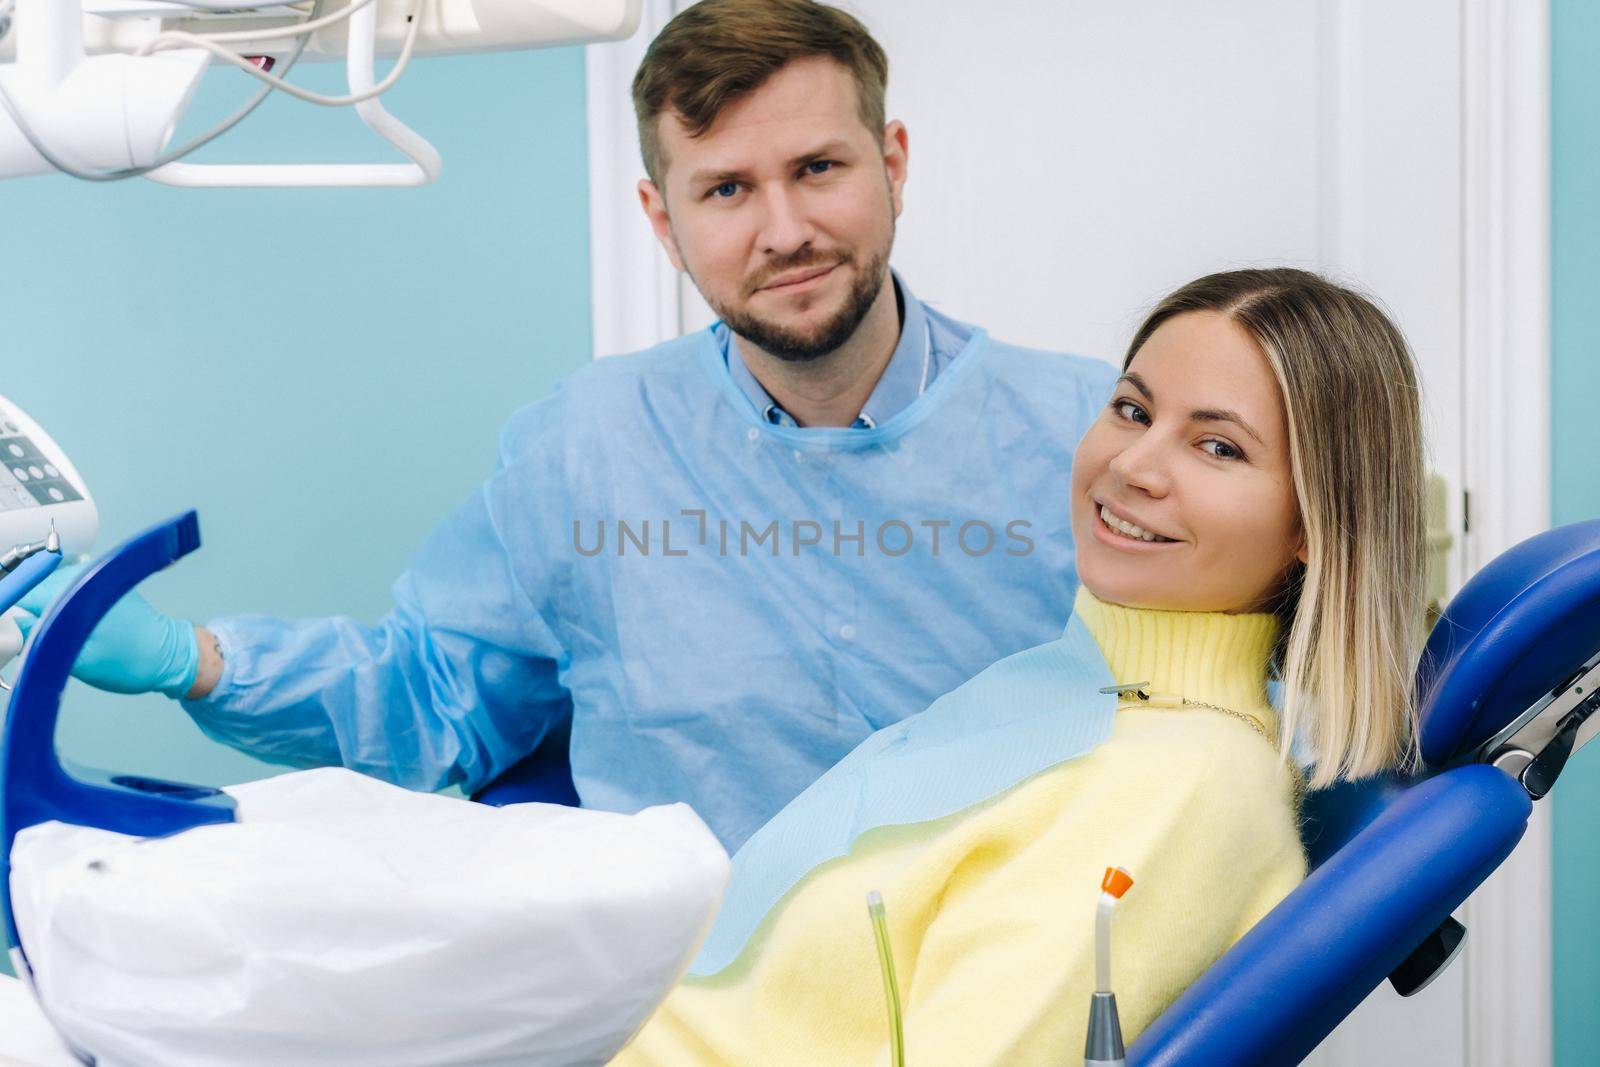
column 1509, row 687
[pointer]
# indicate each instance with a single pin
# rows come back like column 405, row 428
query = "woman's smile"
column 1125, row 529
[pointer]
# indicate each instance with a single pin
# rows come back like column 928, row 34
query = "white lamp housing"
column 106, row 111
column 97, row 108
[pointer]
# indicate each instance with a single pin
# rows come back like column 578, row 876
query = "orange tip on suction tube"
column 1116, row 882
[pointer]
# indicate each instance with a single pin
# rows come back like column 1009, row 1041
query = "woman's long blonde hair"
column 1351, row 616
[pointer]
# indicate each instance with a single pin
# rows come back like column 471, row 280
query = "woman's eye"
column 1127, row 409
column 1221, row 449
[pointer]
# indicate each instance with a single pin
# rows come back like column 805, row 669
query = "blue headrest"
column 1523, row 625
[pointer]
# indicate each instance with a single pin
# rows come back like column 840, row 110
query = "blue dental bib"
column 1022, row 715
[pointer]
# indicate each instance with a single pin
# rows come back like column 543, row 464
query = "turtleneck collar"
column 1204, row 656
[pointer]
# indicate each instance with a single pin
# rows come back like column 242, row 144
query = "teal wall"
column 1575, row 279
column 322, row 373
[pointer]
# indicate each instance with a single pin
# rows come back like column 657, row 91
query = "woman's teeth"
column 1128, row 529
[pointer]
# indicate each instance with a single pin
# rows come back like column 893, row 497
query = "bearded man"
column 722, row 562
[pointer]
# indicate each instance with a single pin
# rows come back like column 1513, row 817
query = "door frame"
column 1505, row 282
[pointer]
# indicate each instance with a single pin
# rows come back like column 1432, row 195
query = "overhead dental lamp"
column 96, row 88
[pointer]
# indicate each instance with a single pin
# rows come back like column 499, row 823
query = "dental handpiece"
column 32, row 565
column 21, row 570
column 15, row 556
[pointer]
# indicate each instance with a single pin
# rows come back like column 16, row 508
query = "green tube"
column 891, row 987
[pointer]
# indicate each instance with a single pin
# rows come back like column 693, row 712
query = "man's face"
column 783, row 211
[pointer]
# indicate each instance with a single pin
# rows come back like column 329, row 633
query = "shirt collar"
column 902, row 381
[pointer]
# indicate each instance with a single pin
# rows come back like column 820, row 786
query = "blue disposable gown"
column 724, row 607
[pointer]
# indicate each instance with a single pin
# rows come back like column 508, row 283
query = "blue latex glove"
column 135, row 649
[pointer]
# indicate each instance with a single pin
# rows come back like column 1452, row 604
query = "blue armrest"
column 34, row 786
column 1273, row 996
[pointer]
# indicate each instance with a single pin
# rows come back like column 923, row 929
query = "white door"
column 1071, row 161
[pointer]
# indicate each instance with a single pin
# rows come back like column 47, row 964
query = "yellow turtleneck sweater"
column 991, row 910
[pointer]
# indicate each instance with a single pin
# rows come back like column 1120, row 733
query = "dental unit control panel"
column 46, row 514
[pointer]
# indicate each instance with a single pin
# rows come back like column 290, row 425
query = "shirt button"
column 798, row 454
column 752, row 433
column 848, row 631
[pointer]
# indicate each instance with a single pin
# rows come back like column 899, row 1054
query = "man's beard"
column 793, row 346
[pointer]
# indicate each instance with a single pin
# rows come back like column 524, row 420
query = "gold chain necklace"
column 1141, row 691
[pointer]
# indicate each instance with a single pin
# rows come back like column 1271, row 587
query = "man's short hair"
column 718, row 50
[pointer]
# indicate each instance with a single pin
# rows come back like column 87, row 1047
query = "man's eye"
column 725, row 190
column 819, row 166
column 1127, row 409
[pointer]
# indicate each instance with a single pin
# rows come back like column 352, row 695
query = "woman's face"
column 1182, row 492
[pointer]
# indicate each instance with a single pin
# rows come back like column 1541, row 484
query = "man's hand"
column 134, row 649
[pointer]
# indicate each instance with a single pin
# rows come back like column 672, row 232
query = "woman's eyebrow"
column 1223, row 415
column 1133, row 379
column 1201, row 415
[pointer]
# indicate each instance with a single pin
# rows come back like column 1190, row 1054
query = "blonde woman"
column 1247, row 506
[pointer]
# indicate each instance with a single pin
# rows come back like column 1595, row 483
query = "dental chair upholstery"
column 1508, row 687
